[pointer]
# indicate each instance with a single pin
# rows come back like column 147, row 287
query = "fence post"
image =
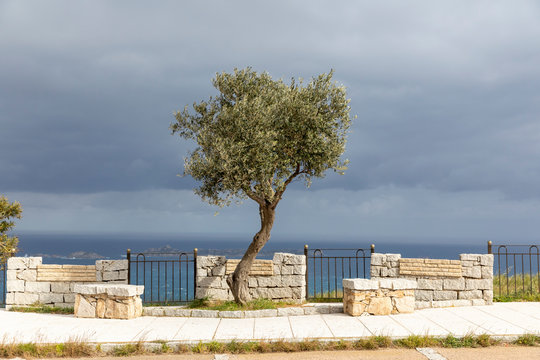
column 307, row 272
column 489, row 247
column 373, row 248
column 128, row 257
column 195, row 251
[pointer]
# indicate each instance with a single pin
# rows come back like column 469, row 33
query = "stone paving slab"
column 507, row 320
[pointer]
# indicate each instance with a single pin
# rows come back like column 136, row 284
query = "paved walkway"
column 502, row 320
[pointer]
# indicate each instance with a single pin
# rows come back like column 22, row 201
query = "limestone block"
column 122, row 275
column 110, row 275
column 393, row 257
column 404, row 304
column 38, row 286
column 454, row 284
column 210, row 282
column 99, row 276
column 378, row 259
column 488, row 296
column 467, row 263
column 419, row 305
column 430, row 284
column 210, row 261
column 335, row 308
column 478, row 302
column 299, row 270
column 287, row 270
column 291, row 311
column 486, row 260
column 10, row 298
column 49, row 298
column 83, row 308
column 270, row 281
column 289, row 259
column 232, row 314
column 280, row 293
column 11, row 274
column 375, row 272
column 487, row 272
column 34, row 262
column 392, row 272
column 293, row 280
column 401, row 284
column 212, row 293
column 25, row 298
column 122, row 290
column 60, row 287
column 470, row 294
column 154, row 311
column 17, row 263
column 472, row 272
column 15, row 285
column 277, row 269
column 27, row 275
column 361, row 284
column 260, row 313
column 471, row 257
column 450, row 303
column 380, row 306
column 480, row 284
column 64, row 305
column 253, row 282
column 180, row 312
column 310, row 310
column 219, row 270
column 299, row 292
column 204, row 313
column 423, row 295
column 354, row 309
column 444, row 295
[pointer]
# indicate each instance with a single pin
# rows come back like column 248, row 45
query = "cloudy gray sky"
column 446, row 143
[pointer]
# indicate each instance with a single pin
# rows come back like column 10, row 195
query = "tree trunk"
column 238, row 281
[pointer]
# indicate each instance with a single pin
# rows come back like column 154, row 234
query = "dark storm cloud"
column 446, row 94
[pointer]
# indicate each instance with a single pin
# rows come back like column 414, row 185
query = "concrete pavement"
column 501, row 320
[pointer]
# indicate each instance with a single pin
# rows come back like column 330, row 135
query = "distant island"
column 74, row 255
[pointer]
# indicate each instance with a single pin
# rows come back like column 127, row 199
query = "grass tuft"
column 528, row 340
column 42, row 309
column 256, row 304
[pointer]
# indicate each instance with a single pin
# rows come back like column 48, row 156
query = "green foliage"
column 8, row 244
column 259, row 134
column 43, row 309
column 528, row 340
column 520, row 287
column 256, row 304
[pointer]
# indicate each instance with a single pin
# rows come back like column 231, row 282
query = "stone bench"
column 378, row 296
column 108, row 301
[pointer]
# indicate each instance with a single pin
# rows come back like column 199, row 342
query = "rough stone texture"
column 103, row 305
column 282, row 278
column 438, row 288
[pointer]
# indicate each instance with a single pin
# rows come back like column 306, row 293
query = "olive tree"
column 257, row 136
column 8, row 244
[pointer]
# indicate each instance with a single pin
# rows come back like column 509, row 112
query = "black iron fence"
column 3, row 280
column 326, row 268
column 168, row 277
column 516, row 269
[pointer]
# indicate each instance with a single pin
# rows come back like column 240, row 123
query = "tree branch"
column 277, row 196
column 253, row 196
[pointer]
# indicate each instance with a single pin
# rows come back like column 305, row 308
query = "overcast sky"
column 446, row 143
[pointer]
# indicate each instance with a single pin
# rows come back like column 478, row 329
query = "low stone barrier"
column 108, row 301
column 378, row 297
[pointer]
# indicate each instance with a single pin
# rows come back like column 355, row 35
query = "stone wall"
column 441, row 282
column 288, row 282
column 24, row 286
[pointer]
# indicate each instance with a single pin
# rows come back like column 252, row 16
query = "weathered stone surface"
column 380, row 306
column 419, row 305
column 299, row 269
column 471, row 257
column 84, row 309
column 361, row 284
column 399, row 284
column 182, row 312
column 404, row 304
column 11, row 274
column 17, row 263
column 260, row 313
column 292, row 311
column 27, row 275
column 215, row 294
column 231, row 314
column 287, row 270
column 111, row 275
column 277, row 269
column 219, row 270
column 210, row 282
column 355, row 309
column 270, row 281
column 486, row 260
column 299, row 292
column 470, row 294
column 293, row 280
column 393, row 257
column 59, row 287
column 280, row 293
column 454, row 284
column 487, row 272
column 488, row 296
column 378, row 259
column 204, row 313
column 15, row 285
column 444, row 295
column 480, row 284
column 38, row 287
column 423, row 295
column 450, row 303
column 10, row 298
column 25, row 298
column 335, row 308
column 478, row 302
column 472, row 272
column 50, row 298
column 253, row 281
column 430, row 284
column 69, row 298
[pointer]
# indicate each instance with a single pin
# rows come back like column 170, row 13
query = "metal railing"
column 516, row 269
column 168, row 277
column 326, row 268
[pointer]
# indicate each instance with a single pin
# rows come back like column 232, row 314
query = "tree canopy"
column 8, row 211
column 259, row 134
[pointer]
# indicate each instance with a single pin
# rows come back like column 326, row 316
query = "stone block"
column 287, row 270
column 310, row 310
column 277, row 269
column 27, row 275
column 10, row 298
column 378, row 259
column 392, row 272
column 335, row 308
column 232, row 314
column 15, row 285
column 289, row 259
column 219, row 270
column 299, row 270
column 354, row 309
column 25, row 299
column 50, row 298
column 361, row 284
column 380, row 306
column 83, row 308
column 122, row 275
column 470, row 294
column 182, row 312
column 38, row 287
column 17, row 263
column 279, row 293
column 210, row 261
column 60, row 287
column 111, row 265
column 253, row 282
column 471, row 257
column 34, row 262
column 487, row 260
column 11, row 274
column 212, row 293
column 430, row 284
column 419, row 305
column 260, row 313
column 290, row 311
column 110, row 275
column 210, row 282
column 478, row 284
column 64, row 305
column 271, row 281
column 99, row 276
column 444, row 295
column 450, row 303
column 69, row 298
column 454, row 284
column 478, row 302
column 375, row 272
column 488, row 296
column 204, row 313
column 404, row 305
column 153, row 311
column 299, row 292
column 472, row 272
column 423, row 295
column 487, row 272
column 402, row 284
column 393, row 257
column 293, row 280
